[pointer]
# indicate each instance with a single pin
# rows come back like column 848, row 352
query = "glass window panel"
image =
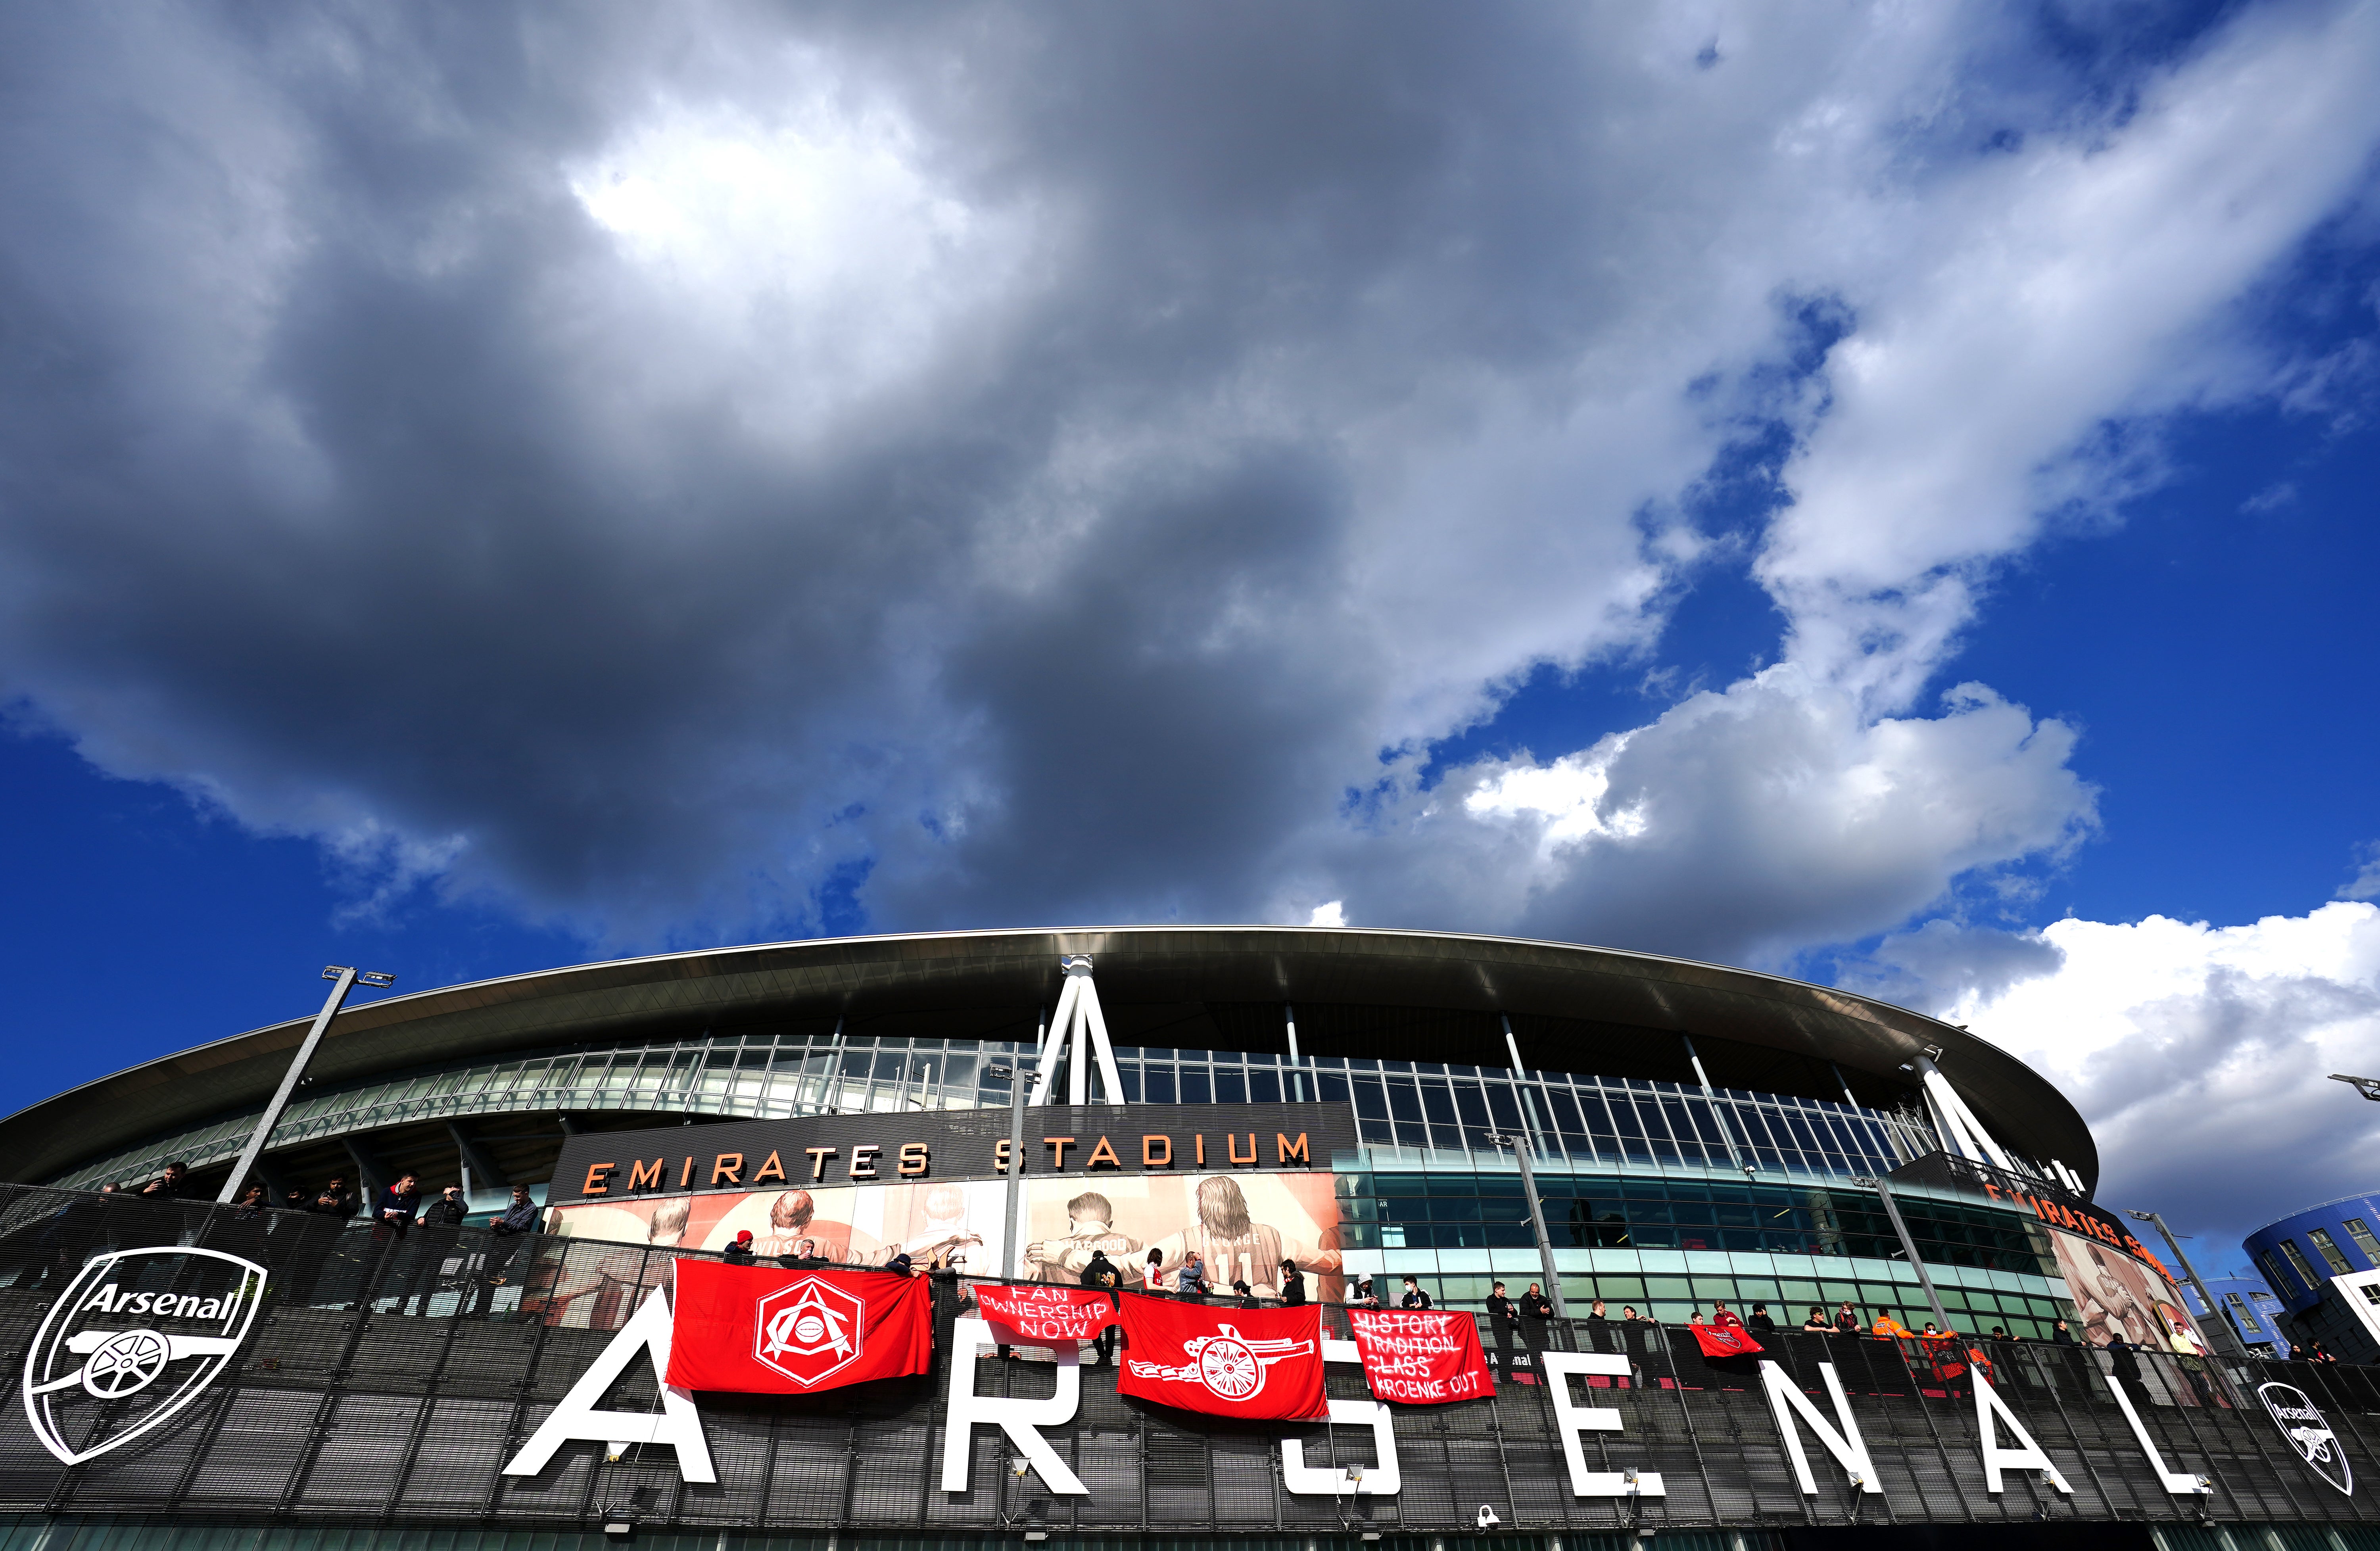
column 1404, row 1104
column 1195, row 1088
column 2329, row 1247
column 2297, row 1263
column 1264, row 1087
column 2357, row 1230
column 1159, row 1080
column 1438, row 1102
column 1231, row 1085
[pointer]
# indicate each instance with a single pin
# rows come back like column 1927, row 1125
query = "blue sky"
column 1886, row 500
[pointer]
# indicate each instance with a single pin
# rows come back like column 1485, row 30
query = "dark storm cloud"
column 656, row 466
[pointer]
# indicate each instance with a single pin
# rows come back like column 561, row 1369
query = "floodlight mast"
column 2215, row 1314
column 347, row 979
column 2368, row 1086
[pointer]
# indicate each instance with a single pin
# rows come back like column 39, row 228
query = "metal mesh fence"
column 387, row 1378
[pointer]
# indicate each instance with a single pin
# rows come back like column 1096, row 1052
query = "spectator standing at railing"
column 173, row 1184
column 335, row 1200
column 1152, row 1273
column 1760, row 1323
column 1847, row 1319
column 740, row 1252
column 1818, row 1323
column 1293, row 1286
column 1191, row 1282
column 425, row 1260
column 1724, row 1317
column 1248, row 1295
column 1415, row 1297
column 1100, row 1272
column 393, row 1210
column 1503, row 1321
column 509, row 1235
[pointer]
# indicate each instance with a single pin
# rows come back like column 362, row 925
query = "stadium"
column 1628, row 1132
column 1703, row 1112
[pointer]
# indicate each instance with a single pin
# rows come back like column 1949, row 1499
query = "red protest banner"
column 1261, row 1363
column 774, row 1332
column 1420, row 1356
column 1031, row 1315
column 1728, row 1340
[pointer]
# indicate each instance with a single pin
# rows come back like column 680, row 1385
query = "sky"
column 1881, row 493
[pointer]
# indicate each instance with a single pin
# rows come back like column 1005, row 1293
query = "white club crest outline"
column 2309, row 1432
column 120, row 1363
column 807, row 1319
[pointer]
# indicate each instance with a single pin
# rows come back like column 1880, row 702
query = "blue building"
column 2251, row 1308
column 2323, row 1263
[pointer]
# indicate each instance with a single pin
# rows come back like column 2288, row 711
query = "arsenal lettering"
column 1421, row 1356
column 1257, row 1364
column 773, row 1332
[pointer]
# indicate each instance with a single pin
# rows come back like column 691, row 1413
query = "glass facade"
column 1429, row 1113
column 1657, row 1192
column 1668, row 1246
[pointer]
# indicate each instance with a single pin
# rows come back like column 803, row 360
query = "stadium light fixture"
column 346, row 977
column 2368, row 1086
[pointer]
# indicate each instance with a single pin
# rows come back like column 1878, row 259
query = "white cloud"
column 743, row 450
column 1334, row 914
column 1743, row 824
column 2199, row 1054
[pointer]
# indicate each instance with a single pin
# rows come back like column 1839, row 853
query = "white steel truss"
column 1077, row 1034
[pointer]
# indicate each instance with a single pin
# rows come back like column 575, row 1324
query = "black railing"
column 388, row 1378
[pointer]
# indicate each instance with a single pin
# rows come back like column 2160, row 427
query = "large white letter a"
column 679, row 1425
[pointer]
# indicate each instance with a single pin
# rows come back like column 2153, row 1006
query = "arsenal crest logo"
column 2302, row 1422
column 132, row 1342
column 809, row 1330
column 1229, row 1365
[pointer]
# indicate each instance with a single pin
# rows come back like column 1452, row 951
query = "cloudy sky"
column 1880, row 493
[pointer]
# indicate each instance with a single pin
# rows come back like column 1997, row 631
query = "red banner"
column 1260, row 1364
column 773, row 1332
column 1032, row 1315
column 1726, row 1340
column 1422, row 1357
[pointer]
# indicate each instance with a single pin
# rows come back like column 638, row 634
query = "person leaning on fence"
column 173, row 1184
column 427, row 1260
column 1192, row 1281
column 1293, row 1286
column 1415, row 1297
column 1760, row 1323
column 509, row 1235
column 393, row 1210
column 1100, row 1272
column 1536, row 1313
column 1818, row 1323
column 740, row 1252
column 1847, row 1319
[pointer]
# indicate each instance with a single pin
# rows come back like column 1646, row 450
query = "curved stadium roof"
column 1392, row 994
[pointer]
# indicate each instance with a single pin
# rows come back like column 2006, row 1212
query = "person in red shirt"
column 1725, row 1317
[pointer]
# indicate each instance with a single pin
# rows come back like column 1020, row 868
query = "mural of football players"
column 1233, row 1246
column 1089, row 1219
